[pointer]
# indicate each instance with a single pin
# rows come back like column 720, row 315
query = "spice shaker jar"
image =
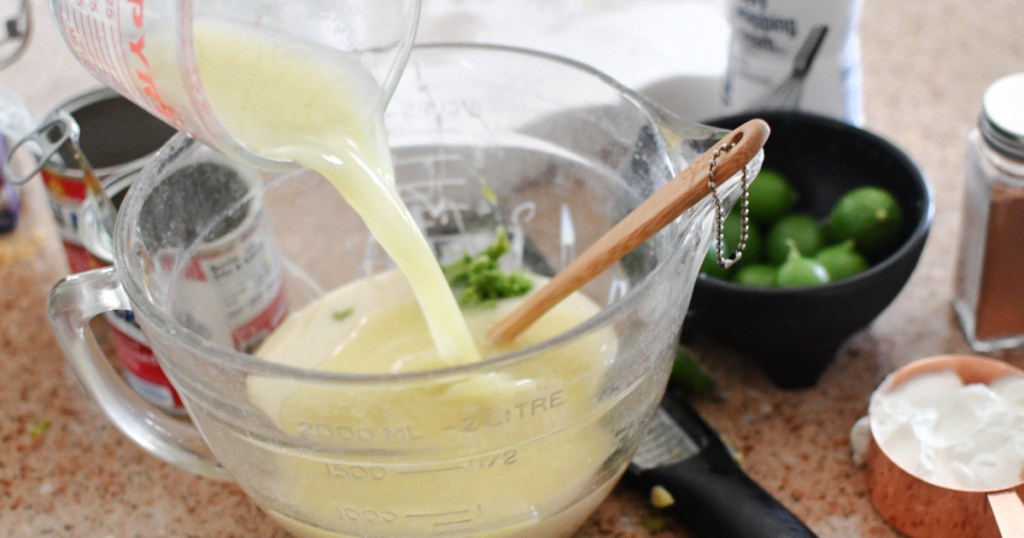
column 989, row 293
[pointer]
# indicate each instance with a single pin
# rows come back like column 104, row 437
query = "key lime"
column 756, row 274
column 771, row 197
column 798, row 271
column 807, row 233
column 841, row 261
column 871, row 217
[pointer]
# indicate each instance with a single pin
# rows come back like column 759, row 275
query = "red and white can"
column 139, row 365
column 115, row 135
column 234, row 282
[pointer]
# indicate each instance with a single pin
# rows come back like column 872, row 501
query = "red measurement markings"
column 136, row 95
column 83, row 40
column 117, row 71
column 138, row 48
column 69, row 30
column 103, row 59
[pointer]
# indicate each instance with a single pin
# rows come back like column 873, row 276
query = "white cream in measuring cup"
column 964, row 437
column 319, row 120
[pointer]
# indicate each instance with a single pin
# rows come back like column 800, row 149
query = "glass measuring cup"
column 481, row 137
column 146, row 51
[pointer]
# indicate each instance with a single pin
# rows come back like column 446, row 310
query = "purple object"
column 10, row 199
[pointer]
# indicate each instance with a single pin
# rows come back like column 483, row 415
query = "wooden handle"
column 661, row 208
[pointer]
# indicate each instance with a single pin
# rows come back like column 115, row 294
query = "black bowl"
column 793, row 333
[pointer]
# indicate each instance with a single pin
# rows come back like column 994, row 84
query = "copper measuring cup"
column 917, row 507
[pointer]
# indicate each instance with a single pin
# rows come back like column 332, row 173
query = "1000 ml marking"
column 367, row 515
column 446, row 518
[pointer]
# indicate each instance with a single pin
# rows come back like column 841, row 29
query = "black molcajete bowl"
column 794, row 333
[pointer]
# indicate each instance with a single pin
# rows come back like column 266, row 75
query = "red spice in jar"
column 989, row 287
column 1000, row 310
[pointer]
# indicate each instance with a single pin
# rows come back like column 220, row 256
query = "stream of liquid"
column 320, row 111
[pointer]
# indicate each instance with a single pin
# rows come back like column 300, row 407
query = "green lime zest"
column 488, row 193
column 478, row 280
column 40, row 427
column 339, row 315
column 653, row 522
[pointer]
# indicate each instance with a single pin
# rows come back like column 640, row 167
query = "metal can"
column 235, row 271
column 115, row 135
column 139, row 365
column 236, row 275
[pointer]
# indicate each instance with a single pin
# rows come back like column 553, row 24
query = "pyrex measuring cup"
column 481, row 137
column 147, row 52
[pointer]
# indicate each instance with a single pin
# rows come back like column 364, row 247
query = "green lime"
column 871, row 216
column 804, row 230
column 842, row 260
column 771, row 197
column 798, row 271
column 756, row 274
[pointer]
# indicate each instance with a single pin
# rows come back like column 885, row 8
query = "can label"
column 140, row 368
column 236, row 289
column 66, row 196
column 79, row 258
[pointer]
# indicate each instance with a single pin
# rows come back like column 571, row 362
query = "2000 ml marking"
column 510, row 414
column 317, row 431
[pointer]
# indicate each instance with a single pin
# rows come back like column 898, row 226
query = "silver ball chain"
column 726, row 262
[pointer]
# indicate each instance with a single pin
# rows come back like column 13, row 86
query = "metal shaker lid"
column 1002, row 117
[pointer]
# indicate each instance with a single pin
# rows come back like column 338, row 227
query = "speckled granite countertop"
column 925, row 67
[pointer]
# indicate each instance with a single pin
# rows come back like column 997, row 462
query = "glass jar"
column 989, row 292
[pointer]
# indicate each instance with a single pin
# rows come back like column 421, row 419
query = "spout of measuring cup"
column 683, row 143
column 684, row 140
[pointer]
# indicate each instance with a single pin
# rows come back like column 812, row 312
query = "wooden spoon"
column 661, row 208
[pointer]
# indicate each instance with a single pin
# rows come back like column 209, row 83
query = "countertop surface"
column 66, row 471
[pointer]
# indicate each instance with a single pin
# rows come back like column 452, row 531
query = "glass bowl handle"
column 73, row 302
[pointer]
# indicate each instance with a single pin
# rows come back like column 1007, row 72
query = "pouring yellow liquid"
column 513, row 452
column 320, row 111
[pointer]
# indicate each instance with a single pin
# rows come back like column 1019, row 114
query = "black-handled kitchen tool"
column 713, row 496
